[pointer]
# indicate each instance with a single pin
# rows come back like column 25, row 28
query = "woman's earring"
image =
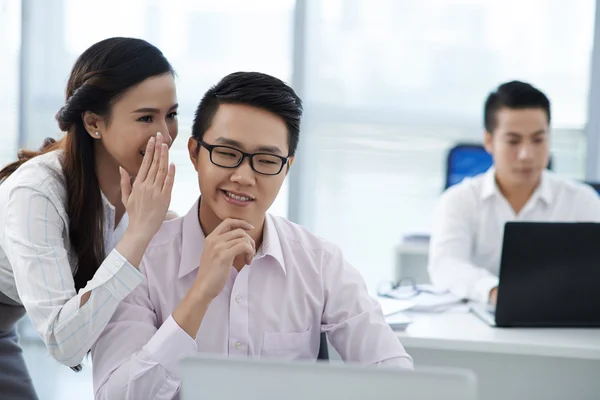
column 97, row 134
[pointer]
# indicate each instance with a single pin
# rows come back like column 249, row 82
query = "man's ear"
column 488, row 142
column 289, row 164
column 93, row 124
column 193, row 150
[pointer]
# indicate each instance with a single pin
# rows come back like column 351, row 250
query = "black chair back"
column 323, row 351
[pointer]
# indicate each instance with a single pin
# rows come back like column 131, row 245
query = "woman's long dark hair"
column 102, row 74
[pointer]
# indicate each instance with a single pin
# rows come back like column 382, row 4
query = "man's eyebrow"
column 235, row 143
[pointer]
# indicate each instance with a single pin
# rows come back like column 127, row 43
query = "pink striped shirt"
column 297, row 286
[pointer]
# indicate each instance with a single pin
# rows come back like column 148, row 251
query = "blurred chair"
column 466, row 160
column 595, row 185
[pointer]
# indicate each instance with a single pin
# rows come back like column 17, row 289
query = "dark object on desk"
column 466, row 160
column 549, row 275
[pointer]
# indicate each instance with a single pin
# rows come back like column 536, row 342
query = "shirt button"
column 238, row 298
column 238, row 345
column 117, row 263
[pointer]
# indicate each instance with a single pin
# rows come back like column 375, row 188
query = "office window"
column 204, row 41
column 392, row 85
column 10, row 34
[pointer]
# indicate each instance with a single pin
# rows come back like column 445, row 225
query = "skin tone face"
column 520, row 147
column 250, row 130
column 140, row 113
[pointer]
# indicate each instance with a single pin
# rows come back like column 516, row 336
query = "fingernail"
column 120, row 170
column 158, row 134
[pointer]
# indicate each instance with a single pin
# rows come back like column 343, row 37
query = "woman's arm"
column 35, row 244
column 35, row 247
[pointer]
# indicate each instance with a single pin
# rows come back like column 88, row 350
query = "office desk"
column 549, row 364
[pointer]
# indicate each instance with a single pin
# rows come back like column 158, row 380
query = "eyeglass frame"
column 250, row 156
column 410, row 284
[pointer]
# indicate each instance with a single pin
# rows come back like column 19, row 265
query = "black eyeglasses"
column 406, row 288
column 230, row 157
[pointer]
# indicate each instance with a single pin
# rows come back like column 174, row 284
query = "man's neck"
column 209, row 221
column 516, row 195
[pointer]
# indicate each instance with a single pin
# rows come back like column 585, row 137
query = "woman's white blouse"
column 37, row 262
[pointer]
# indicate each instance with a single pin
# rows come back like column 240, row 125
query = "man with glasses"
column 228, row 278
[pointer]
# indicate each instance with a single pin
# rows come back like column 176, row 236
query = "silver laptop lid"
column 249, row 379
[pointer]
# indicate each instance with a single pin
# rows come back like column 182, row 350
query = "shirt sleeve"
column 136, row 359
column 588, row 207
column 35, row 238
column 450, row 250
column 354, row 321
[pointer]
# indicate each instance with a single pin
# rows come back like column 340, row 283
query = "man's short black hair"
column 253, row 89
column 514, row 95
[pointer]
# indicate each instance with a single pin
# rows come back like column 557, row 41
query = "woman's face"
column 140, row 113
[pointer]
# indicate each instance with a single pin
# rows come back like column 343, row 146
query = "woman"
column 74, row 227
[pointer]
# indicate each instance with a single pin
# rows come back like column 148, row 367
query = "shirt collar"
column 105, row 202
column 490, row 187
column 193, row 242
column 271, row 245
column 109, row 213
column 544, row 190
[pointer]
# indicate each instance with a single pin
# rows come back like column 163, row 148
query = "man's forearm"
column 191, row 310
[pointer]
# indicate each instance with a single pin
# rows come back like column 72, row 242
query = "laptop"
column 549, row 276
column 252, row 379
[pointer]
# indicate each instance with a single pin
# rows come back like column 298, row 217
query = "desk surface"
column 466, row 332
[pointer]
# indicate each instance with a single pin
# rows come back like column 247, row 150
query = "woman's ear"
column 93, row 124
